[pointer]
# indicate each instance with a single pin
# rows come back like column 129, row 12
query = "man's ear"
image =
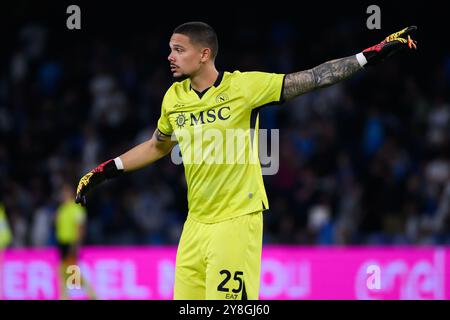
column 205, row 54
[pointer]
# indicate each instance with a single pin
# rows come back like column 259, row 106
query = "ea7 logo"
column 210, row 116
column 374, row 279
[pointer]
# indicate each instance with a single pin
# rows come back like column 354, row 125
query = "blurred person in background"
column 70, row 225
column 5, row 230
column 5, row 240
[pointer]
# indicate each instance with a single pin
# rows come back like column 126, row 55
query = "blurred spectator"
column 70, row 225
column 42, row 225
column 438, row 122
column 5, row 231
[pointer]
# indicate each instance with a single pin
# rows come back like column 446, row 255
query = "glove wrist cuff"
column 361, row 59
column 108, row 169
column 119, row 163
column 111, row 170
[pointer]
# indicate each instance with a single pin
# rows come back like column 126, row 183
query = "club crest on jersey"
column 181, row 120
column 222, row 97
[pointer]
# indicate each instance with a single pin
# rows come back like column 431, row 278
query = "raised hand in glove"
column 389, row 46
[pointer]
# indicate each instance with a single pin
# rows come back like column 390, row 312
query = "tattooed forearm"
column 321, row 76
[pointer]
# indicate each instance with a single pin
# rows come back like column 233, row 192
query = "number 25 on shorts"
column 225, row 287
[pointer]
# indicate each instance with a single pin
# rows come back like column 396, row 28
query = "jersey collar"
column 216, row 84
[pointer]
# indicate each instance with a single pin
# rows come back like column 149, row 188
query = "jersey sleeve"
column 164, row 125
column 261, row 87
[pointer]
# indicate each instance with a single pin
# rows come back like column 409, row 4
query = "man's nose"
column 170, row 58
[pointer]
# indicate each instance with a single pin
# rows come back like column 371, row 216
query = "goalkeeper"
column 219, row 253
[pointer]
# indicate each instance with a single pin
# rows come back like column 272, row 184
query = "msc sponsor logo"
column 181, row 120
column 210, row 116
column 206, row 116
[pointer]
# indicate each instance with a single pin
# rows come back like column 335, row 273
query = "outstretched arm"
column 334, row 71
column 147, row 152
column 322, row 76
column 139, row 156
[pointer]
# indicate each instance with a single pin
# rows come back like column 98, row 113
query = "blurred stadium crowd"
column 366, row 161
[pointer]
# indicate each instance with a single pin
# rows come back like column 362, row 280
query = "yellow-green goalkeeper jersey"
column 217, row 134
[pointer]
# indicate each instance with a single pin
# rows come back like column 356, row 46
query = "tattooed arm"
column 147, row 152
column 322, row 76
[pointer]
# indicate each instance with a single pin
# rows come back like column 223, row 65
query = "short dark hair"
column 200, row 33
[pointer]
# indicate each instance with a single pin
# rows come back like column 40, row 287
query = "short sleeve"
column 164, row 125
column 262, row 88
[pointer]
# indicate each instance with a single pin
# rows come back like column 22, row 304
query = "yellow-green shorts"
column 220, row 261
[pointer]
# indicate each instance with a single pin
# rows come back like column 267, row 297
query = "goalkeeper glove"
column 108, row 169
column 389, row 46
